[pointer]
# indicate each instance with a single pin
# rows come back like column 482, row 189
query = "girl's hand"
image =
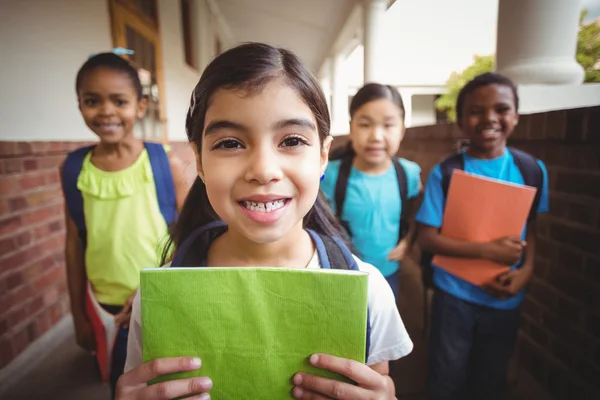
column 122, row 318
column 506, row 250
column 371, row 384
column 509, row 284
column 84, row 334
column 133, row 384
column 399, row 252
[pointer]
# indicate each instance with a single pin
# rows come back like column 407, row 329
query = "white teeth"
column 264, row 207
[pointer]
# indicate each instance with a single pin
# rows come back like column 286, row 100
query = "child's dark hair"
column 366, row 94
column 376, row 91
column 489, row 78
column 249, row 68
column 111, row 61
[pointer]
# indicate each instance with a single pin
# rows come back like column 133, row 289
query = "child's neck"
column 114, row 157
column 128, row 145
column 371, row 169
column 232, row 249
column 486, row 154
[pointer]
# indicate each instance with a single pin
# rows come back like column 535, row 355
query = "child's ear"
column 142, row 108
column 325, row 152
column 199, row 168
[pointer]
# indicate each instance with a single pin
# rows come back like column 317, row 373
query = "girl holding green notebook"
column 259, row 125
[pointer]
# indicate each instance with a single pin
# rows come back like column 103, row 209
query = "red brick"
column 30, row 165
column 576, row 124
column 43, row 323
column 55, row 313
column 43, row 196
column 17, row 316
column 17, row 203
column 31, row 181
column 4, row 327
column 7, row 186
column 52, row 178
column 13, row 166
column 40, row 148
column 14, row 261
column 35, row 305
column 7, row 245
column 14, row 280
column 23, row 148
column 51, row 295
column 56, row 226
column 50, row 162
column 38, row 215
column 24, row 239
column 37, row 268
column 7, row 148
column 9, row 225
column 19, row 297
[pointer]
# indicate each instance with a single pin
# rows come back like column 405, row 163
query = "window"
column 188, row 43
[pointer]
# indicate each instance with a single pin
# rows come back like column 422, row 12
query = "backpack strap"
column 163, row 179
column 341, row 185
column 183, row 258
column 532, row 176
column 334, row 254
column 403, row 188
column 73, row 198
column 452, row 162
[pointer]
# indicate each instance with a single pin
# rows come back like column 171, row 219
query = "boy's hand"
column 509, row 284
column 122, row 318
column 506, row 250
column 133, row 385
column 84, row 333
column 399, row 252
column 371, row 384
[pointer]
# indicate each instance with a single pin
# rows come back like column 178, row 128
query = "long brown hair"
column 250, row 67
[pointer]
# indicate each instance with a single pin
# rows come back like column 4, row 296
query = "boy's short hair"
column 489, row 78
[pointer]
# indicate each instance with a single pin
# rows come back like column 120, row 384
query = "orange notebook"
column 480, row 209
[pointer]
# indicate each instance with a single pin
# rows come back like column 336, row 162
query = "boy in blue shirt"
column 474, row 329
column 373, row 205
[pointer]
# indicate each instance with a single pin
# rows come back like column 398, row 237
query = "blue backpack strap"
column 163, row 179
column 182, row 252
column 73, row 198
column 334, row 254
column 532, row 176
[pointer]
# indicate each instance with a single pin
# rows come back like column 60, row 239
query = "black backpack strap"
column 200, row 240
column 452, row 162
column 341, row 185
column 532, row 176
column 403, row 188
column 334, row 254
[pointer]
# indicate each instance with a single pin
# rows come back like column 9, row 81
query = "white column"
column 339, row 100
column 537, row 41
column 373, row 13
column 325, row 82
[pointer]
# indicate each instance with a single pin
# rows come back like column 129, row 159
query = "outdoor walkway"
column 69, row 373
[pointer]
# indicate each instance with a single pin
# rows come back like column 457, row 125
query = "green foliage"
column 588, row 55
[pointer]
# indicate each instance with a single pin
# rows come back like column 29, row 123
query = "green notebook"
column 253, row 328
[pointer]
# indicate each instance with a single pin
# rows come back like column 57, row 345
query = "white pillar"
column 373, row 13
column 325, row 82
column 339, row 100
column 537, row 41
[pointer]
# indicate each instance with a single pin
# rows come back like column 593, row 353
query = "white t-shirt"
column 389, row 339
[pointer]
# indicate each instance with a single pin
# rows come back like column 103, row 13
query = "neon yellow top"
column 125, row 229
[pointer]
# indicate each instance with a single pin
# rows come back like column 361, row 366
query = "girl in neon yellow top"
column 123, row 222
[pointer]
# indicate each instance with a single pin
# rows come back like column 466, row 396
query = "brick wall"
column 559, row 340
column 33, row 291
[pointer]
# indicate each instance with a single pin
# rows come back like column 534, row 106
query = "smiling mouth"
column 490, row 133
column 265, row 207
column 109, row 127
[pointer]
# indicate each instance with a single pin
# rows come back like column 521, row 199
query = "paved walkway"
column 68, row 373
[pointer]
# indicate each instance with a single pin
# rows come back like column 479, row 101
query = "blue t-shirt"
column 432, row 211
column 372, row 209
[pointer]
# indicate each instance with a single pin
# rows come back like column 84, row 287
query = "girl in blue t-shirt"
column 372, row 206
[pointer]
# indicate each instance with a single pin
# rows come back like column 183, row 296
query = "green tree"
column 588, row 48
column 588, row 55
